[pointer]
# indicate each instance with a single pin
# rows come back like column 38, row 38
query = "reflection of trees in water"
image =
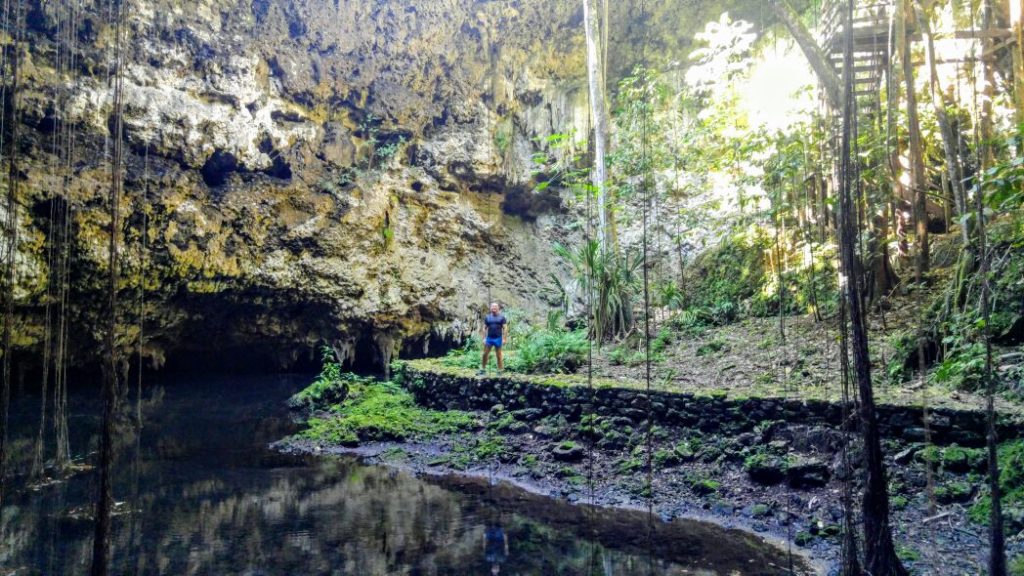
column 211, row 500
column 339, row 516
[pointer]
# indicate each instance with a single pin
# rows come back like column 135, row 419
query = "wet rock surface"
column 780, row 477
column 697, row 474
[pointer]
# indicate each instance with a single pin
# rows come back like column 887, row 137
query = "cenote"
column 527, row 287
column 202, row 492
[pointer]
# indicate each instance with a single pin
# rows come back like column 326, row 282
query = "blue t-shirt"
column 494, row 325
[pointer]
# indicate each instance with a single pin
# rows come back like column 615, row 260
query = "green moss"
column 953, row 492
column 666, row 458
column 1011, row 481
column 703, row 486
column 908, row 553
column 630, row 465
column 957, row 459
column 803, row 538
column 382, row 411
column 475, row 449
column 1017, row 566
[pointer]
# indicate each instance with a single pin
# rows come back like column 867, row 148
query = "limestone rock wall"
column 350, row 172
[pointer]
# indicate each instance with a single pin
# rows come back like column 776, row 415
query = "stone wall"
column 713, row 413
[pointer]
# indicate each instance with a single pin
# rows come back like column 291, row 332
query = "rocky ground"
column 752, row 358
column 782, row 481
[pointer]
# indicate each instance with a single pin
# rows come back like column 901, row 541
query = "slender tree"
column 918, row 190
column 104, row 498
column 950, row 147
column 599, row 117
column 997, row 538
column 1017, row 21
column 817, row 57
column 9, row 136
column 880, row 553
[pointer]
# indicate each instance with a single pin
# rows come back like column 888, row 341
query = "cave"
column 244, row 250
column 218, row 168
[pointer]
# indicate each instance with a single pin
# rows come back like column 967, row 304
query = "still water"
column 200, row 492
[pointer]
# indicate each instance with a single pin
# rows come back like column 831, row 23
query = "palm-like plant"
column 613, row 279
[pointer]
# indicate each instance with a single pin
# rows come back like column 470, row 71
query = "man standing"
column 495, row 331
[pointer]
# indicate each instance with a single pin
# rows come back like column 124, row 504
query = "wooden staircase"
column 871, row 41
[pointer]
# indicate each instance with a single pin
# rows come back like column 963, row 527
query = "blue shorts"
column 496, row 342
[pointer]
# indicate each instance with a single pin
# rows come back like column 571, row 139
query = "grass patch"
column 712, row 347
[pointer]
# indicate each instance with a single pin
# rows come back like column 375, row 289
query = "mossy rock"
column 765, row 469
column 808, row 473
column 704, row 486
column 954, row 492
column 568, row 452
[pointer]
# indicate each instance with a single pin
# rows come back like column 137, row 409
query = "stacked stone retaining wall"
column 712, row 413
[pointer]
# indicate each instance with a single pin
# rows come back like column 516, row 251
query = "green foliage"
column 550, row 351
column 1011, row 482
column 953, row 492
column 331, row 385
column 908, row 553
column 904, row 350
column 537, row 350
column 703, row 485
column 613, row 281
column 1004, row 182
column 466, row 357
column 503, row 136
column 729, row 273
column 963, row 365
column 388, row 151
column 377, row 411
column 960, row 330
column 712, row 346
column 1017, row 566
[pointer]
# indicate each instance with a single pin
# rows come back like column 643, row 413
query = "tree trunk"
column 105, row 497
column 10, row 138
column 1017, row 21
column 598, row 113
column 815, row 55
column 916, row 152
column 954, row 169
column 880, row 553
column 997, row 539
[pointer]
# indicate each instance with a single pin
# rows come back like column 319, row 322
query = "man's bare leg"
column 501, row 363
column 487, row 353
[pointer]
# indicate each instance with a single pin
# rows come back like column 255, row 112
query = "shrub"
column 535, row 350
column 330, row 387
column 548, row 351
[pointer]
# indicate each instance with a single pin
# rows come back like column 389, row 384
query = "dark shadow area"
column 218, row 168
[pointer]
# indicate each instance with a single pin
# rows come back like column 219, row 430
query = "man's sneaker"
column 481, row 373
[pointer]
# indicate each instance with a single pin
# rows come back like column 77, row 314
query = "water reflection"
column 200, row 494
